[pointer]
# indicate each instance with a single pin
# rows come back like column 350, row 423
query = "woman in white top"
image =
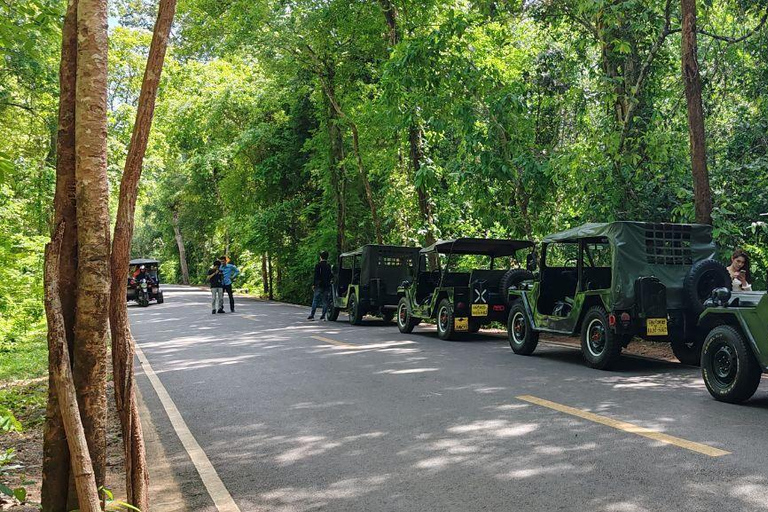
column 739, row 270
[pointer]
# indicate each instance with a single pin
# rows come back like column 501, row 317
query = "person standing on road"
column 217, row 293
column 321, row 286
column 228, row 273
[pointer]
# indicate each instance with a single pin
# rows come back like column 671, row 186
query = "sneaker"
column 310, row 317
column 220, row 310
column 213, row 311
column 232, row 310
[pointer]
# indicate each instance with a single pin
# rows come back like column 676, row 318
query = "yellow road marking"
column 216, row 489
column 334, row 342
column 627, row 427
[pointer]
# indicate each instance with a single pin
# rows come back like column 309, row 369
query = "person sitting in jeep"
column 741, row 276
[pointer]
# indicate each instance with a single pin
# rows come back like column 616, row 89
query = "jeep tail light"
column 460, row 305
column 625, row 319
column 498, row 307
column 612, row 320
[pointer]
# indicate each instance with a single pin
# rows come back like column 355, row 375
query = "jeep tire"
column 522, row 338
column 333, row 313
column 355, row 312
column 405, row 322
column 387, row 315
column 703, row 277
column 728, row 366
column 688, row 352
column 600, row 346
column 444, row 320
column 510, row 278
column 474, row 325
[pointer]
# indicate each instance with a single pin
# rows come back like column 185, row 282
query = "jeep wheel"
column 730, row 370
column 510, row 278
column 445, row 327
column 522, row 338
column 387, row 315
column 355, row 314
column 333, row 313
column 160, row 298
column 405, row 322
column 702, row 278
column 687, row 352
column 600, row 346
column 474, row 325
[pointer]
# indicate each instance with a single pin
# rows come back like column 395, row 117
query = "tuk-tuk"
column 144, row 282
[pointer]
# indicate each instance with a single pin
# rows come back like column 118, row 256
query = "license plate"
column 656, row 327
column 461, row 323
column 479, row 309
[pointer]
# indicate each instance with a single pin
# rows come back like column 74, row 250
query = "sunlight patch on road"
column 407, row 371
column 627, row 427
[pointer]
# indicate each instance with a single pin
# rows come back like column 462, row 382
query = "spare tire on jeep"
column 512, row 277
column 703, row 277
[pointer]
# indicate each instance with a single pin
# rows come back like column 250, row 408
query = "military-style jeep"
column 735, row 352
column 366, row 280
column 612, row 282
column 462, row 284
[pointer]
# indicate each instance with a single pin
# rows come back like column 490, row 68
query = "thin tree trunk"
column 182, row 251
column 359, row 159
column 271, row 294
column 264, row 278
column 415, row 137
column 702, row 194
column 82, row 470
column 55, row 485
column 338, row 177
column 136, row 472
column 92, row 315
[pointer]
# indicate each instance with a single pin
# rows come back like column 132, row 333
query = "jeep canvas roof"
column 487, row 246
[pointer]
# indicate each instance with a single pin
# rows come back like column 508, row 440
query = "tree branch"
column 732, row 40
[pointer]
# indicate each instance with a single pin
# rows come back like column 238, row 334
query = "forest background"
column 288, row 127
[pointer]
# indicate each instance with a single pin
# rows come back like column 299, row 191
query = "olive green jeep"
column 611, row 282
column 462, row 284
column 735, row 352
column 366, row 281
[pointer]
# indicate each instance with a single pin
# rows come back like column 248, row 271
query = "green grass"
column 23, row 367
column 25, row 358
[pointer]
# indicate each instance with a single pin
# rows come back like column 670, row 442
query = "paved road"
column 368, row 419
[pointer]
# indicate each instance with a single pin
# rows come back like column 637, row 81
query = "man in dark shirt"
column 321, row 286
column 217, row 291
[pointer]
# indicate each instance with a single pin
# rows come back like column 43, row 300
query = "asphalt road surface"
column 302, row 416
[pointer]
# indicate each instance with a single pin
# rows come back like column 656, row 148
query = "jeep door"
column 558, row 286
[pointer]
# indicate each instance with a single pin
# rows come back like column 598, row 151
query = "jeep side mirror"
column 530, row 262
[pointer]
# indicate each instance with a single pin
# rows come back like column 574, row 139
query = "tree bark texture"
column 92, row 195
column 702, row 194
column 264, row 279
column 180, row 246
column 55, row 484
column 82, row 469
column 136, row 472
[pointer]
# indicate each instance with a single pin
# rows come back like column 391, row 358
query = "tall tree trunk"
column 330, row 93
column 415, row 139
column 61, row 370
column 136, row 472
column 271, row 294
column 702, row 194
column 92, row 315
column 264, row 278
column 338, row 177
column 55, row 484
column 180, row 246
column 415, row 134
